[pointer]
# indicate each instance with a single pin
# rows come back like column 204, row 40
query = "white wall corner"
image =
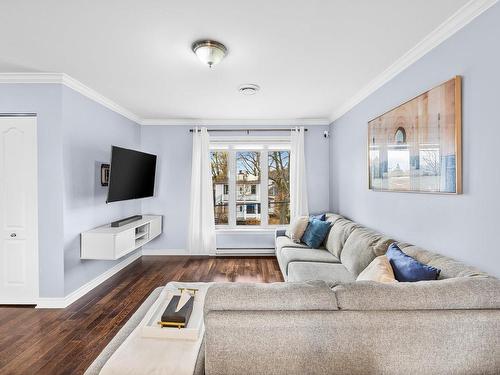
column 453, row 24
column 59, row 303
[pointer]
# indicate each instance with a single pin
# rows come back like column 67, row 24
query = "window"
column 251, row 183
column 248, row 167
column 219, row 166
column 400, row 136
column 279, row 187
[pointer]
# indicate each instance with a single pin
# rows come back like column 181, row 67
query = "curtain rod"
column 250, row 130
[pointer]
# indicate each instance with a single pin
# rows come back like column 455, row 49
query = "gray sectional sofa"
column 348, row 249
column 322, row 321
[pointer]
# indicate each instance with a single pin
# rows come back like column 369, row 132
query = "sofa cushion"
column 316, row 232
column 331, row 273
column 449, row 267
column 361, row 247
column 340, row 231
column 332, row 218
column 455, row 293
column 284, row 241
column 311, row 295
column 379, row 270
column 407, row 268
column 286, row 255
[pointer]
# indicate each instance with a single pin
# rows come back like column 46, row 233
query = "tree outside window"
column 279, row 187
column 239, row 196
column 219, row 165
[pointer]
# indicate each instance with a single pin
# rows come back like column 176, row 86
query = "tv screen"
column 132, row 174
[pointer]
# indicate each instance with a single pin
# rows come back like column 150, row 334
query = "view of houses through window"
column 220, row 183
column 248, row 196
column 258, row 192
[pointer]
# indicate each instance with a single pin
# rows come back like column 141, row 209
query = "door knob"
column 13, row 234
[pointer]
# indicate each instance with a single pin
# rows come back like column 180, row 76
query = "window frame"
column 264, row 145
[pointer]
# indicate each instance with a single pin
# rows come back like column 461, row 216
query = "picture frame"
column 417, row 146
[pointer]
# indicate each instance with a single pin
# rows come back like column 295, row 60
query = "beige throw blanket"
column 139, row 355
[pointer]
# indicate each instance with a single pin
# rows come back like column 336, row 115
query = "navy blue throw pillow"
column 321, row 217
column 407, row 268
column 316, row 232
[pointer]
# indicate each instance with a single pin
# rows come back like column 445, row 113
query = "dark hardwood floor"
column 66, row 341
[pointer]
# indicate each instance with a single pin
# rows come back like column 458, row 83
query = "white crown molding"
column 457, row 21
column 31, row 78
column 101, row 99
column 60, row 303
column 64, row 79
column 236, row 122
column 453, row 24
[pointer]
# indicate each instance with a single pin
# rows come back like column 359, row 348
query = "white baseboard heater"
column 244, row 251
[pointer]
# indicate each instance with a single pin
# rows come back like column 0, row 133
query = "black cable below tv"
column 128, row 220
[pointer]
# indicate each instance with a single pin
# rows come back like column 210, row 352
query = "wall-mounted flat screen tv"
column 132, row 174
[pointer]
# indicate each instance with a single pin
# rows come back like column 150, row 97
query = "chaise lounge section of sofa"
column 338, row 325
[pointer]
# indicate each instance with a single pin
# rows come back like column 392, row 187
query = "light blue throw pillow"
column 316, row 232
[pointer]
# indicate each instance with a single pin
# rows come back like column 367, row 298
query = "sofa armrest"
column 280, row 233
column 310, row 295
column 461, row 293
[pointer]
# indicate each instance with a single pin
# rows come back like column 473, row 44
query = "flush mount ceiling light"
column 248, row 89
column 209, row 52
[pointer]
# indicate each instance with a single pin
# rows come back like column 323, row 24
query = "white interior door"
column 18, row 210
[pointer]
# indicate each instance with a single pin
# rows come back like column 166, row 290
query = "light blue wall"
column 89, row 130
column 45, row 101
column 464, row 226
column 74, row 135
column 173, row 145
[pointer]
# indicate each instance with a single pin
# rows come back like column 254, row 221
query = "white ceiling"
column 309, row 57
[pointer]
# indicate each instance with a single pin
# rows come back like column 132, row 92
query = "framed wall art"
column 417, row 146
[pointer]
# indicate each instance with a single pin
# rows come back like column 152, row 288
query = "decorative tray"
column 192, row 331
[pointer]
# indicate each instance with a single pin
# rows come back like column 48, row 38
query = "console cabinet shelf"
column 110, row 243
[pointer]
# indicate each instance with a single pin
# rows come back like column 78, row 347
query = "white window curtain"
column 298, row 183
column 201, row 236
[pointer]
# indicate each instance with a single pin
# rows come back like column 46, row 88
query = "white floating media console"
column 110, row 243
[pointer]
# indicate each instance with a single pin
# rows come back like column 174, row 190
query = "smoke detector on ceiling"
column 248, row 89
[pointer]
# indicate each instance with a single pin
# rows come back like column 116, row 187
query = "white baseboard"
column 151, row 252
column 60, row 303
